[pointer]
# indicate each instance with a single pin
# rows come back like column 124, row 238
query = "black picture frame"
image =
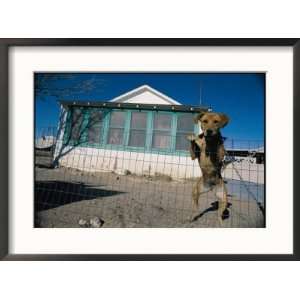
column 5, row 44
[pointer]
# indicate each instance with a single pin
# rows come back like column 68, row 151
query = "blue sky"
column 241, row 96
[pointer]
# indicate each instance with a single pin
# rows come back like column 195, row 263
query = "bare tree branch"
column 65, row 85
column 68, row 143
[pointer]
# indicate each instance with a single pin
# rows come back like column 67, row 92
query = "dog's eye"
column 205, row 121
column 215, row 121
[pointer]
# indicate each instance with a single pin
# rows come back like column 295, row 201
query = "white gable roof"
column 145, row 94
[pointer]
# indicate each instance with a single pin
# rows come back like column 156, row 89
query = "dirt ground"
column 71, row 198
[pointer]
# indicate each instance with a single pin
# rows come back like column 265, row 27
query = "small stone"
column 82, row 223
column 96, row 222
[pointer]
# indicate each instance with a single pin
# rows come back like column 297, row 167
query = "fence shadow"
column 52, row 194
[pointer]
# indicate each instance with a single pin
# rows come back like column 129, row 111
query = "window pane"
column 137, row 138
column 77, row 118
column 117, row 119
column 96, row 117
column 75, row 133
column 185, row 123
column 181, row 142
column 138, row 120
column 94, row 134
column 162, row 121
column 76, row 115
column 115, row 136
column 161, row 140
column 94, row 125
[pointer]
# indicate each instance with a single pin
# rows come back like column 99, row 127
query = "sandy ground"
column 63, row 197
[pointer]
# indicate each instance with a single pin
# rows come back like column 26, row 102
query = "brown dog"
column 209, row 149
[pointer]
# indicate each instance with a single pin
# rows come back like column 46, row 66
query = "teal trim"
column 67, row 129
column 125, row 147
column 149, row 130
column 127, row 128
column 173, row 132
column 196, row 129
column 105, row 128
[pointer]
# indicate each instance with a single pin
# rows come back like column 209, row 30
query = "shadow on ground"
column 51, row 194
column 214, row 206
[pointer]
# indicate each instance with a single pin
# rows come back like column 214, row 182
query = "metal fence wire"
column 87, row 186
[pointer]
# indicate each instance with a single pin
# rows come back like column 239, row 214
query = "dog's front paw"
column 191, row 137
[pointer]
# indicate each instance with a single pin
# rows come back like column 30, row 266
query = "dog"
column 208, row 148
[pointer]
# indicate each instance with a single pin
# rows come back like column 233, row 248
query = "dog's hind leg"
column 197, row 188
column 221, row 194
column 195, row 197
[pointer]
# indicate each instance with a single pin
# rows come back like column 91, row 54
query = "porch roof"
column 137, row 106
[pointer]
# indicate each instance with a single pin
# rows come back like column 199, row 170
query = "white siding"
column 140, row 163
column 61, row 130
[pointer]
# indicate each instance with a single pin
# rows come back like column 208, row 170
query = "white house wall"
column 151, row 164
column 61, row 130
column 140, row 163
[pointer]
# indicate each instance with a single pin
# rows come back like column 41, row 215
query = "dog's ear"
column 198, row 117
column 224, row 120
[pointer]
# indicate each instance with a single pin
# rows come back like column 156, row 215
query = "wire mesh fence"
column 84, row 185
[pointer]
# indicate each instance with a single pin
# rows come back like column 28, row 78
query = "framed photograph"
column 149, row 149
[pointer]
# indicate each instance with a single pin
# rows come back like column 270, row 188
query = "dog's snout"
column 209, row 132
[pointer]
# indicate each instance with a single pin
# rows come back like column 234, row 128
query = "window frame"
column 147, row 130
column 126, row 134
column 107, row 128
column 195, row 127
column 86, row 133
column 67, row 138
column 171, row 130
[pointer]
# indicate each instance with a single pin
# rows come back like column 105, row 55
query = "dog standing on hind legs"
column 208, row 148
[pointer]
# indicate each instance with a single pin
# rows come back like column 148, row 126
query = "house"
column 142, row 132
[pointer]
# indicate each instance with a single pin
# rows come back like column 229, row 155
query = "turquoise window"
column 95, row 126
column 138, row 129
column 185, row 126
column 74, row 127
column 116, row 128
column 162, row 131
column 132, row 130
